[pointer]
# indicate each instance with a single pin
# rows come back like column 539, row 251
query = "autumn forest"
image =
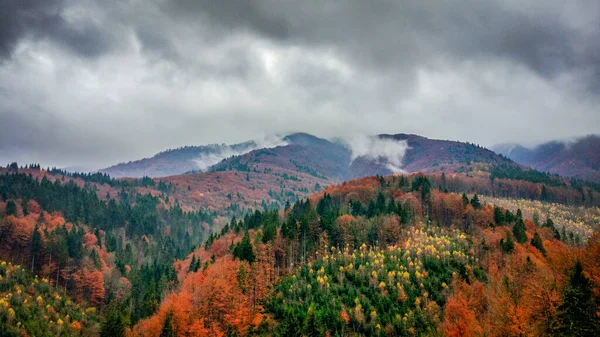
column 497, row 251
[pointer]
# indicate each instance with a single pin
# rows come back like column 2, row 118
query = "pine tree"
column 498, row 216
column 24, row 206
column 577, row 313
column 508, row 246
column 269, row 231
column 113, row 326
column 537, row 243
column 11, row 208
column 475, row 202
column 36, row 246
column 465, row 200
column 243, row 249
column 290, row 327
column 519, row 231
column 167, row 330
column 192, row 264
column 310, row 323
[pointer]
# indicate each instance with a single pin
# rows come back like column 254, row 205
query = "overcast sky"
column 95, row 82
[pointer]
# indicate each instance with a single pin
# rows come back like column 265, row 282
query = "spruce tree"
column 11, row 208
column 243, row 249
column 192, row 264
column 36, row 246
column 167, row 330
column 113, row 326
column 537, row 243
column 465, row 200
column 577, row 313
column 310, row 323
column 519, row 231
column 507, row 245
column 475, row 202
column 498, row 216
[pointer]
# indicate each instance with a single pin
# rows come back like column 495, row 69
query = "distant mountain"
column 578, row 159
column 327, row 160
column 178, row 161
column 427, row 155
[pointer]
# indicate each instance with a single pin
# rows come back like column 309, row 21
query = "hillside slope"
column 580, row 159
column 177, row 161
column 318, row 157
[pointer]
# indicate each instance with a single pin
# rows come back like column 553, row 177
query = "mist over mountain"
column 335, row 160
column 579, row 158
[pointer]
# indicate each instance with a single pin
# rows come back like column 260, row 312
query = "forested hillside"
column 388, row 256
column 579, row 158
column 478, row 253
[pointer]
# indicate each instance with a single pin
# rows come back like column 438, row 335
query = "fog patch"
column 374, row 148
column 216, row 153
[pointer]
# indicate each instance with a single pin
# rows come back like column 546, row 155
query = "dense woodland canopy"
column 400, row 255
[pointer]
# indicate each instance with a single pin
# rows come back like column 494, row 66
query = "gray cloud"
column 97, row 82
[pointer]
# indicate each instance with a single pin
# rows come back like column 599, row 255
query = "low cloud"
column 388, row 151
column 219, row 152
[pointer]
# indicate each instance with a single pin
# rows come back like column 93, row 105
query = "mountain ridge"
column 334, row 160
column 577, row 159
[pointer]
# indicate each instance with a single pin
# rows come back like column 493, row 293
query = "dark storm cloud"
column 37, row 19
column 117, row 80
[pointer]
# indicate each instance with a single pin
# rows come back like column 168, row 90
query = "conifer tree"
column 537, row 243
column 243, row 250
column 11, row 208
column 167, row 330
column 465, row 200
column 577, row 313
column 113, row 326
column 508, row 246
column 475, row 202
column 519, row 231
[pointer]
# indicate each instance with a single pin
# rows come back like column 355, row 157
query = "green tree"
column 310, row 323
column 537, row 243
column 113, row 325
column 519, row 231
column 167, row 329
column 507, row 245
column 475, row 202
column 577, row 313
column 11, row 208
column 465, row 200
column 243, row 249
column 290, row 327
column 269, row 231
column 36, row 246
column 498, row 216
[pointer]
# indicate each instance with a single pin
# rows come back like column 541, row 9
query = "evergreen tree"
column 519, row 231
column 192, row 264
column 577, row 313
column 167, row 330
column 113, row 326
column 311, row 324
column 269, row 231
column 11, row 208
column 475, row 202
column 498, row 216
column 24, row 206
column 243, row 249
column 290, row 327
column 507, row 245
column 465, row 200
column 97, row 233
column 537, row 243
column 391, row 208
column 36, row 246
